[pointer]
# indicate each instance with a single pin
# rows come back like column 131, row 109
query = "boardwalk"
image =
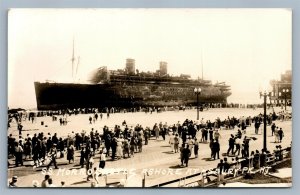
column 155, row 158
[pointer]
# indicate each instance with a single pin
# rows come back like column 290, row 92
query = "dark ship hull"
column 129, row 88
column 52, row 96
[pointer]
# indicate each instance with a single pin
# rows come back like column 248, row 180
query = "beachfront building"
column 282, row 89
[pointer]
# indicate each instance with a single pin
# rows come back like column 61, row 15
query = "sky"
column 246, row 48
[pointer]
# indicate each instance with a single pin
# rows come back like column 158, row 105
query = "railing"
column 240, row 167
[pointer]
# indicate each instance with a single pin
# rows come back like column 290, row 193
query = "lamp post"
column 197, row 92
column 285, row 91
column 265, row 95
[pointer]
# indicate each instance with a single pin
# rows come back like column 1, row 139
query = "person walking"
column 82, row 157
column 163, row 133
column 172, row 141
column 217, row 135
column 53, row 154
column 220, row 167
column 237, row 145
column 273, row 128
column 256, row 126
column 156, row 130
column 246, row 146
column 140, row 143
column 89, row 166
column 146, row 135
column 190, row 143
column 70, row 153
column 18, row 154
column 216, row 149
column 196, row 148
column 186, row 153
column 102, row 160
column 210, row 131
column 126, row 148
column 132, row 145
column 231, row 145
column 114, row 143
column 280, row 135
column 276, row 135
column 119, row 151
column 107, row 142
column 176, row 143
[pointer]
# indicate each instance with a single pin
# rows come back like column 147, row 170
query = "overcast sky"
column 243, row 47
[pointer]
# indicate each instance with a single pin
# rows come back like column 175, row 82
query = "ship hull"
column 52, row 96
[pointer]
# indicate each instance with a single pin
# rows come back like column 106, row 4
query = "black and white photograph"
column 149, row 98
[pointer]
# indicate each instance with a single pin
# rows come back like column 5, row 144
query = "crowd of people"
column 124, row 141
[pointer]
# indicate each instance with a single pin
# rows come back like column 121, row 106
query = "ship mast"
column 73, row 60
column 202, row 63
column 78, row 60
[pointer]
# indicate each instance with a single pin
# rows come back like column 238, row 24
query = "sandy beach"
column 156, row 156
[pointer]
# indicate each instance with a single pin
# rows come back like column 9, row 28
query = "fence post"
column 105, row 179
column 259, row 162
column 143, row 181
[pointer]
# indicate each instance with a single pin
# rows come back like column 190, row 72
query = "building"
column 130, row 66
column 163, row 68
column 282, row 89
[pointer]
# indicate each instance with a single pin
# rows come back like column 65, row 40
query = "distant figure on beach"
column 280, row 134
column 20, row 127
column 273, row 128
column 156, row 130
column 90, row 119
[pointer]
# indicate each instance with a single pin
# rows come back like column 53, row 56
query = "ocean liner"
column 129, row 88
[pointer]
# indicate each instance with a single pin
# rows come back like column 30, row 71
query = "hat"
column 54, row 145
column 15, row 178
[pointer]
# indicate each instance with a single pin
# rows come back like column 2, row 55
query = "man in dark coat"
column 216, row 149
column 231, row 145
column 113, row 147
column 146, row 136
column 280, row 133
column 107, row 140
column 18, row 154
column 186, row 155
column 220, row 166
column 256, row 126
column 273, row 128
column 82, row 157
